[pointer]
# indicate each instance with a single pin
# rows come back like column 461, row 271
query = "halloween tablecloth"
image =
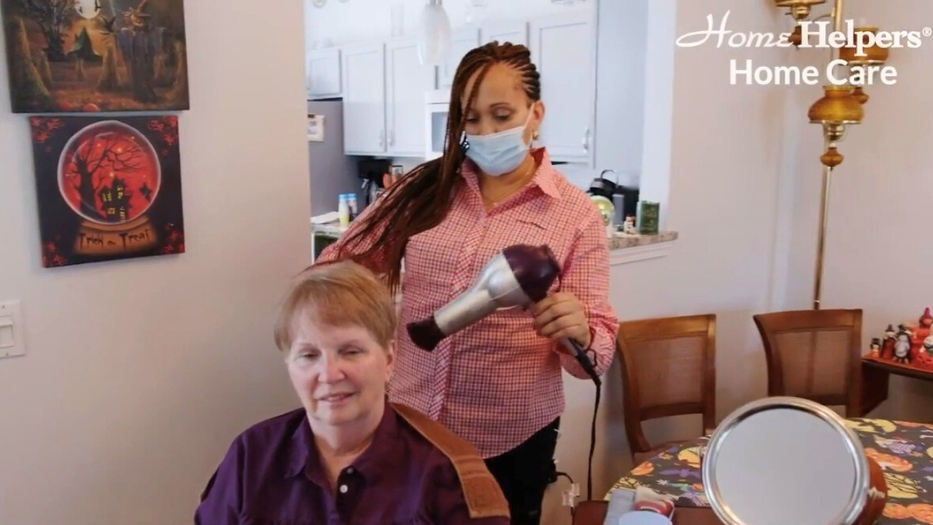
column 903, row 449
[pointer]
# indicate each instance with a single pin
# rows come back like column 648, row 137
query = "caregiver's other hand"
column 561, row 315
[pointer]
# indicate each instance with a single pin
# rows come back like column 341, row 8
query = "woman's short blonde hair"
column 341, row 293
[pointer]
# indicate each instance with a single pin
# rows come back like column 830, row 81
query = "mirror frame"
column 857, row 501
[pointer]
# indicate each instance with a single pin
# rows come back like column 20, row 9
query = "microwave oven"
column 437, row 105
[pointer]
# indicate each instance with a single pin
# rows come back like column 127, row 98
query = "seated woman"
column 348, row 456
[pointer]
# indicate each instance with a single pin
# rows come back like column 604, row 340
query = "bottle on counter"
column 354, row 211
column 343, row 210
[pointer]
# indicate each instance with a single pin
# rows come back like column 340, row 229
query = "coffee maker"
column 371, row 172
column 617, row 193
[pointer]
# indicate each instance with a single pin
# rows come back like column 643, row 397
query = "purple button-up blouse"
column 272, row 475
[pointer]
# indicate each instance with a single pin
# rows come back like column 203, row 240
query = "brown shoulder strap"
column 484, row 497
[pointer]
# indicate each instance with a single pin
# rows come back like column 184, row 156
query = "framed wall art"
column 315, row 128
column 86, row 56
column 107, row 188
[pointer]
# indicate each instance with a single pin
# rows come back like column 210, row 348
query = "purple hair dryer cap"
column 535, row 268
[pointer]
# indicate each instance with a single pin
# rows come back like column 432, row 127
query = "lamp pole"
column 836, row 16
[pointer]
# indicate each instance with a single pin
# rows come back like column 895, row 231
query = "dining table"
column 903, row 449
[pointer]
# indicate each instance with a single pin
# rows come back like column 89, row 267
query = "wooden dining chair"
column 814, row 354
column 668, row 369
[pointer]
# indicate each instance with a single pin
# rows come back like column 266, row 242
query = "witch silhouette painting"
column 107, row 188
column 87, row 56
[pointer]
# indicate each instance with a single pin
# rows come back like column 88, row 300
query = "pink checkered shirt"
column 496, row 383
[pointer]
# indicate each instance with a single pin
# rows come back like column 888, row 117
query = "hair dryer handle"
column 582, row 358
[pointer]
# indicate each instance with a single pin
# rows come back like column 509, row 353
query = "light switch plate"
column 12, row 342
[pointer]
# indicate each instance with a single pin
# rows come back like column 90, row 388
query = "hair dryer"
column 520, row 275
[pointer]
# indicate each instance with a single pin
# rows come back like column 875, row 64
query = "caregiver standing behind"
column 496, row 383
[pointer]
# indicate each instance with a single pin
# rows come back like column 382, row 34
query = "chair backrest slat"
column 814, row 354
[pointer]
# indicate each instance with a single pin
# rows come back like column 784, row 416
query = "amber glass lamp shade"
column 874, row 55
column 837, row 106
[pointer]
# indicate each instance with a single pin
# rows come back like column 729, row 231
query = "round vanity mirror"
column 788, row 461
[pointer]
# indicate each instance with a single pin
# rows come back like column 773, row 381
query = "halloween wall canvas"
column 85, row 56
column 107, row 188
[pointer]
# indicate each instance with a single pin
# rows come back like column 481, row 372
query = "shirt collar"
column 302, row 454
column 545, row 176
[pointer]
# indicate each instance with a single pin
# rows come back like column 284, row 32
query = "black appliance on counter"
column 609, row 189
column 371, row 171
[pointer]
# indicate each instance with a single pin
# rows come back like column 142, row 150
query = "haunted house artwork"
column 82, row 56
column 107, row 188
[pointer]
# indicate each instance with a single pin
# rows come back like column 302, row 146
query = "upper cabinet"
column 461, row 43
column 563, row 48
column 324, row 73
column 383, row 99
column 383, row 85
column 364, row 99
column 406, row 82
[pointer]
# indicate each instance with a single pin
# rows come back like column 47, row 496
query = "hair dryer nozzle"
column 535, row 268
column 426, row 334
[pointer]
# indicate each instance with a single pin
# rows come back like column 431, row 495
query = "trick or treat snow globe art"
column 911, row 344
column 108, row 188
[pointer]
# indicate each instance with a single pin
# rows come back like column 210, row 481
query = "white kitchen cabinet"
column 563, row 48
column 364, row 99
column 515, row 32
column 324, row 73
column 461, row 43
column 383, row 85
column 406, row 82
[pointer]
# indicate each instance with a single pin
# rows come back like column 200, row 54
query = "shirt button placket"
column 439, row 382
column 461, row 283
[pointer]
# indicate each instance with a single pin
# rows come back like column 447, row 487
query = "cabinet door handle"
column 586, row 140
column 392, row 138
column 382, row 138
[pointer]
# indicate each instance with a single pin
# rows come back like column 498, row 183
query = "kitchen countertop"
column 617, row 241
column 620, row 241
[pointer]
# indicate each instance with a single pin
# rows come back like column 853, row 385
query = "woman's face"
column 501, row 104
column 339, row 373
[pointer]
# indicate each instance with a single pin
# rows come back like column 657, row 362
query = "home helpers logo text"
column 813, row 34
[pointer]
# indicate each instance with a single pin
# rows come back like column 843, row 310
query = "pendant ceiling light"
column 434, row 34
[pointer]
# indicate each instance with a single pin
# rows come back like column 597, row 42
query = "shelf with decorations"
column 910, row 345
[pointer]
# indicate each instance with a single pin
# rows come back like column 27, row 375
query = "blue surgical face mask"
column 499, row 153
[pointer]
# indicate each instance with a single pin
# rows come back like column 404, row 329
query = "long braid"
column 423, row 197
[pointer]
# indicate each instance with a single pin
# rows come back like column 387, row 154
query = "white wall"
column 878, row 253
column 140, row 373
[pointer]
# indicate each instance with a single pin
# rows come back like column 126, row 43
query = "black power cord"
column 589, row 467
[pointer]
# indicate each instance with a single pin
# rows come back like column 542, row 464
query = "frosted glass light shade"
column 433, row 34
